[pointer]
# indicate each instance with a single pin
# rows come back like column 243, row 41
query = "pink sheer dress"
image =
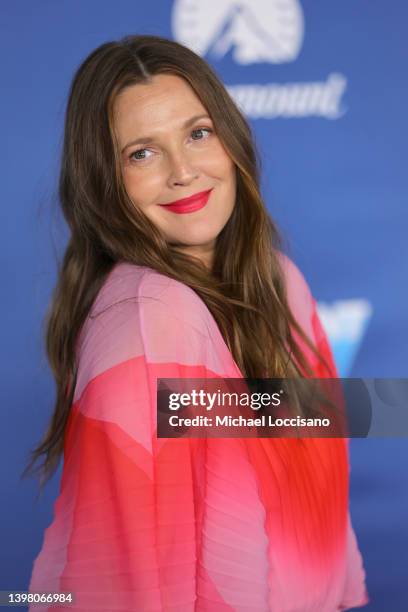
column 145, row 524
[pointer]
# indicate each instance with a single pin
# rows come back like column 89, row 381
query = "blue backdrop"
column 324, row 85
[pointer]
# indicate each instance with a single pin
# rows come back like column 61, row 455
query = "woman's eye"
column 136, row 153
column 201, row 130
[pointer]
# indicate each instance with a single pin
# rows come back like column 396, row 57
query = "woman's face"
column 170, row 151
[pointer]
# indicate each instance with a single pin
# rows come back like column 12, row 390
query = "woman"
column 154, row 284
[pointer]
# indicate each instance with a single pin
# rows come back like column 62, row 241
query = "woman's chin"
column 194, row 239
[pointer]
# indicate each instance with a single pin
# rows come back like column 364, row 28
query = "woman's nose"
column 181, row 169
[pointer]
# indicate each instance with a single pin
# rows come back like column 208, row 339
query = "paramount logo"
column 319, row 99
column 252, row 32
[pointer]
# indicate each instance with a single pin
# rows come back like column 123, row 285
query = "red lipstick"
column 190, row 204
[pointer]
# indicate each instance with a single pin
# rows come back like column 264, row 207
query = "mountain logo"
column 345, row 322
column 254, row 30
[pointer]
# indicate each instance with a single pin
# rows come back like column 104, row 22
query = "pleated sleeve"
column 127, row 521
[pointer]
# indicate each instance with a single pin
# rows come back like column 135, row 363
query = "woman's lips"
column 191, row 204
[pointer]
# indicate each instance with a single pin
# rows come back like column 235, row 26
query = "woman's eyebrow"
column 148, row 139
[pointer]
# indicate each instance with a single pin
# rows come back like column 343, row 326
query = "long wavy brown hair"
column 244, row 290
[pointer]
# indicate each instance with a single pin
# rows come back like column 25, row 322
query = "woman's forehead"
column 167, row 100
column 162, row 89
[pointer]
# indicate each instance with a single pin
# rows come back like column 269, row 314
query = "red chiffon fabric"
column 147, row 524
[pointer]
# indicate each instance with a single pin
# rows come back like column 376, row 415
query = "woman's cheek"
column 143, row 190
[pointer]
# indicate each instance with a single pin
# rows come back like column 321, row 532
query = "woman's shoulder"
column 151, row 291
column 127, row 281
column 140, row 312
column 294, row 277
column 299, row 295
